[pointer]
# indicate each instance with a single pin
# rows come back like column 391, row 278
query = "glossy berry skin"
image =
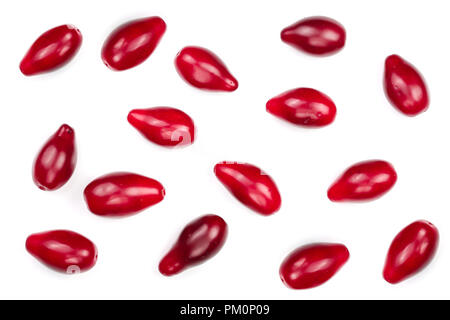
column 250, row 185
column 200, row 240
column 405, row 87
column 315, row 35
column 165, row 126
column 204, row 70
column 122, row 193
column 411, row 251
column 63, row 250
column 312, row 265
column 51, row 50
column 55, row 162
column 132, row 43
column 363, row 181
column 304, row 107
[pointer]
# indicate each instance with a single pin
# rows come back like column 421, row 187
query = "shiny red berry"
column 312, row 265
column 204, row 70
column 411, row 251
column 63, row 250
column 55, row 162
column 132, row 43
column 51, row 50
column 303, row 106
column 120, row 194
column 315, row 35
column 363, row 181
column 405, row 87
column 250, row 185
column 200, row 240
column 163, row 125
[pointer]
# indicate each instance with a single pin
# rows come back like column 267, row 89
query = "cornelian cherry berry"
column 199, row 241
column 63, row 250
column 303, row 106
column 132, row 43
column 363, row 181
column 405, row 87
column 315, row 35
column 250, row 185
column 163, row 125
column 51, row 50
column 55, row 162
column 122, row 193
column 312, row 265
column 411, row 251
column 204, row 70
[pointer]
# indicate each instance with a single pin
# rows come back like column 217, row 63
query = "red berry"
column 200, row 240
column 304, row 107
column 163, row 125
column 251, row 186
column 315, row 35
column 132, row 43
column 204, row 70
column 63, row 250
column 122, row 193
column 55, row 162
column 405, row 87
column 363, row 181
column 51, row 50
column 410, row 251
column 312, row 265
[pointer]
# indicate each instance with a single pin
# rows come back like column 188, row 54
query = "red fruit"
column 200, row 240
column 312, row 265
column 132, row 43
column 304, row 107
column 411, row 251
column 315, row 35
column 63, row 250
column 55, row 163
column 163, row 125
column 51, row 50
column 250, row 185
column 204, row 70
column 363, row 181
column 122, row 193
column 405, row 87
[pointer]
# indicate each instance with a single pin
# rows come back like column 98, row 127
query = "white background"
column 230, row 126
